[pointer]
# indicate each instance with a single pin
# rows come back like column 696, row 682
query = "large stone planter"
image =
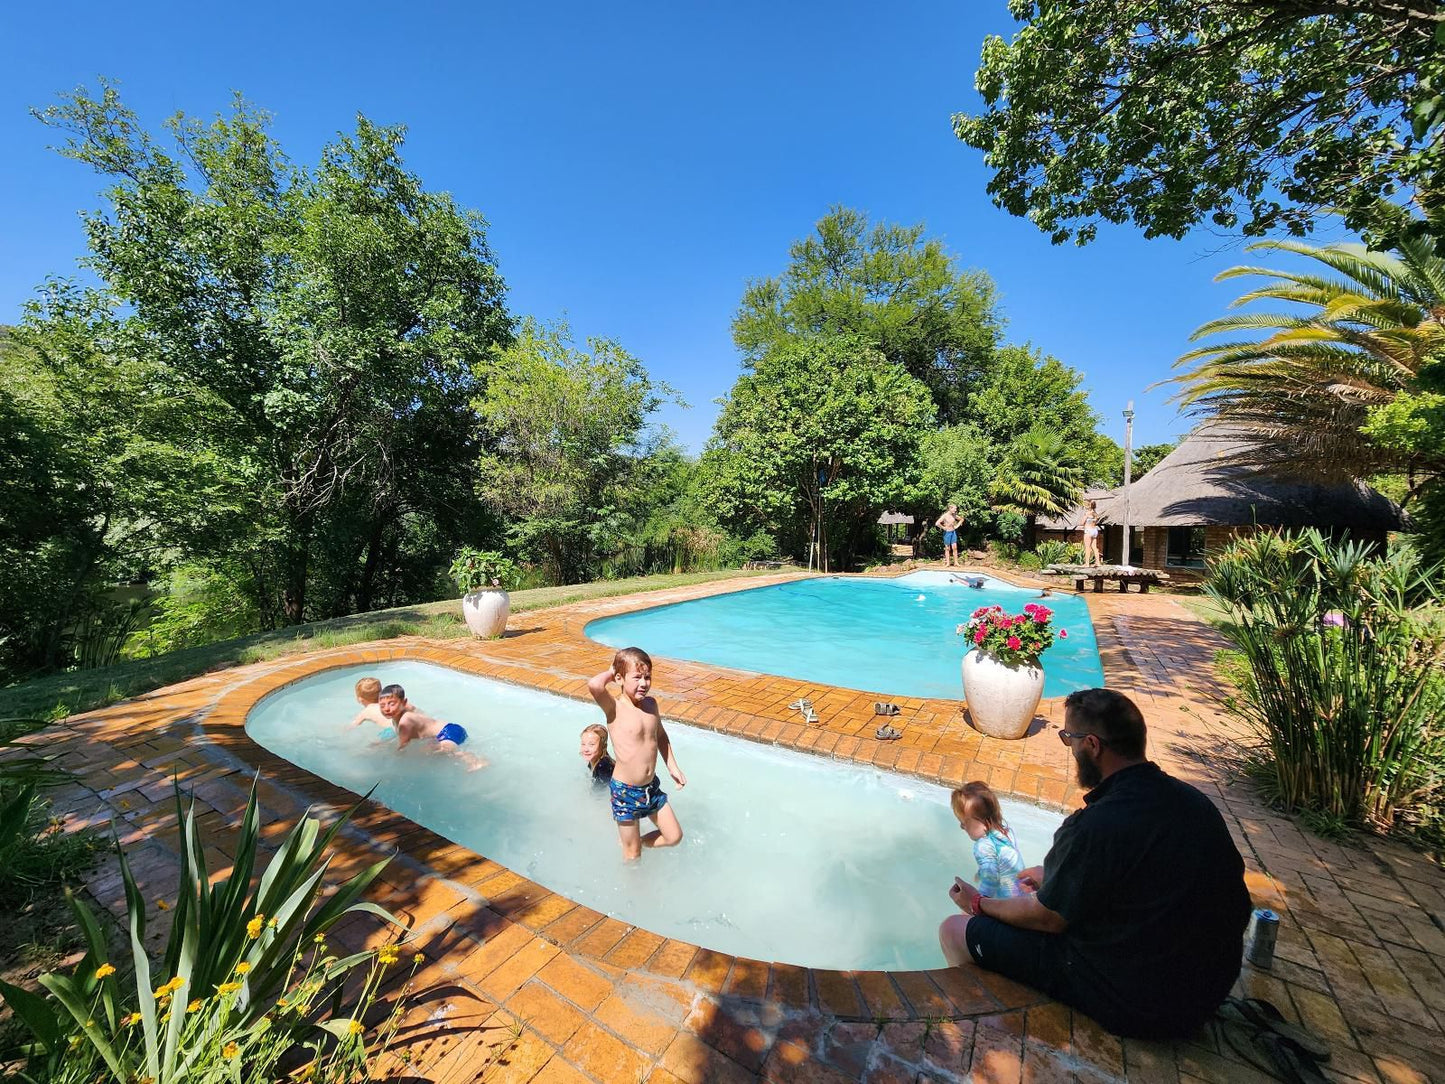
column 486, row 612
column 1001, row 699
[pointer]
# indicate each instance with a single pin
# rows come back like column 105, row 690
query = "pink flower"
column 1014, row 643
column 1040, row 619
column 1063, row 634
column 978, row 636
column 1030, row 607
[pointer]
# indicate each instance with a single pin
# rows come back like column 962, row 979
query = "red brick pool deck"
column 521, row 984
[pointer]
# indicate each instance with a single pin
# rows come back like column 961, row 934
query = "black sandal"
column 1257, row 1013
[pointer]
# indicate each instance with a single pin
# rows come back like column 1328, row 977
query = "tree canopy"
column 888, row 284
column 1170, row 114
column 824, row 432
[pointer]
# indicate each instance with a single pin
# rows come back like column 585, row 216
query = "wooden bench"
column 1080, row 574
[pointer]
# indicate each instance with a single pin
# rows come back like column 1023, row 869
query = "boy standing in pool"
column 638, row 739
column 412, row 725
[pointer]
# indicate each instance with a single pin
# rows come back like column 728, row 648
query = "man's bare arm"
column 597, row 686
column 1025, row 912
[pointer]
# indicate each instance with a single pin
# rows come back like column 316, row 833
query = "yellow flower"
column 418, row 959
column 194, row 1006
column 163, row 905
column 255, row 926
column 388, row 955
column 320, row 939
column 230, row 1050
column 228, row 988
column 132, row 1020
column 354, row 1027
column 270, row 924
column 242, row 967
column 165, row 1016
column 104, row 971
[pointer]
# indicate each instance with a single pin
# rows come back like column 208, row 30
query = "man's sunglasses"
column 1066, row 735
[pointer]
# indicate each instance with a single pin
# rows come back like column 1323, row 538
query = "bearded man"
column 1137, row 915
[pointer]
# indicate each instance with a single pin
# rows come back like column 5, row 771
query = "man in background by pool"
column 949, row 523
column 1140, row 906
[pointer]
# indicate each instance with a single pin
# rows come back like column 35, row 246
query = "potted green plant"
column 483, row 576
column 1002, row 678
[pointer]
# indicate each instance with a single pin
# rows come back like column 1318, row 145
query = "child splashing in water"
column 412, row 725
column 635, row 726
column 594, row 752
column 994, row 848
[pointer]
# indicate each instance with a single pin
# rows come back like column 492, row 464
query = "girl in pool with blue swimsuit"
column 994, row 847
column 412, row 725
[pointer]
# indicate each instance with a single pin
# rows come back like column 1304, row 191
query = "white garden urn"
column 1001, row 698
column 486, row 612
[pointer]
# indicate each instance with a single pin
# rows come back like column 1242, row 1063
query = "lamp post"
column 1128, row 465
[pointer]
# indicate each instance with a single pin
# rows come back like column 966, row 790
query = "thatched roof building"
column 1207, row 491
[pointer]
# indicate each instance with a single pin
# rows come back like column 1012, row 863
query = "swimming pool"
column 884, row 636
column 786, row 856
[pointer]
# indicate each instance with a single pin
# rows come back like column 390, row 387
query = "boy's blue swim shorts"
column 631, row 803
column 453, row 733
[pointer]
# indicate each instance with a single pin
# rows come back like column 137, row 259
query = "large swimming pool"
column 786, row 856
column 885, row 636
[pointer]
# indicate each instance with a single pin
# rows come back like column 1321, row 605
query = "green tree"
column 815, row 442
column 892, row 287
column 100, row 476
column 1362, row 330
column 565, row 440
column 331, row 316
column 1173, row 113
column 1040, row 476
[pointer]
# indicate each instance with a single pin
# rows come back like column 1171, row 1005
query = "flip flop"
column 882, row 707
column 1257, row 1013
column 1291, row 1064
column 802, row 704
column 809, row 715
column 887, row 733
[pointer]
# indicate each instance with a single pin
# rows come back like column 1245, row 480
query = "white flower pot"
column 1001, row 699
column 486, row 612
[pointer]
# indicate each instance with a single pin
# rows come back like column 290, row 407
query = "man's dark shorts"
column 1039, row 960
column 1027, row 956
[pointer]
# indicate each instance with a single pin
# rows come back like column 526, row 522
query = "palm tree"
column 1039, row 477
column 1364, row 330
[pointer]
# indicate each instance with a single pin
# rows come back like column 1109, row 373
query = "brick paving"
column 521, row 984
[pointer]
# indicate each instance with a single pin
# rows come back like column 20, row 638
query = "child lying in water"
column 594, row 752
column 412, row 725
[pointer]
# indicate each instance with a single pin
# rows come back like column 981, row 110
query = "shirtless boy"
column 638, row 739
column 412, row 725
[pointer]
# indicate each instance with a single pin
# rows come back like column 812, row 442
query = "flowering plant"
column 480, row 570
column 1013, row 639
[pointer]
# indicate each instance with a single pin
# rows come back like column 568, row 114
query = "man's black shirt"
column 1152, row 887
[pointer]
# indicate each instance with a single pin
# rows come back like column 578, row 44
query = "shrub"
column 1004, row 552
column 1009, row 526
column 1341, row 655
column 1030, row 562
column 246, row 978
column 1056, row 552
column 480, row 570
column 200, row 605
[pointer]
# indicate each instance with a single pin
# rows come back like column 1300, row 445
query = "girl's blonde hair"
column 977, row 800
column 368, row 690
column 601, row 732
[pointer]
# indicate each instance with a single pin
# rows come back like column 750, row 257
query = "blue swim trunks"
column 452, row 733
column 950, row 538
column 631, row 803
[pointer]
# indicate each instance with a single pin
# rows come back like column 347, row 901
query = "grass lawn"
column 58, row 695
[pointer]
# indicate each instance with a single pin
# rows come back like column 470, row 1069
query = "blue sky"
column 638, row 163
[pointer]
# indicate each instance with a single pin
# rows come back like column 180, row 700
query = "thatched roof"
column 889, row 518
column 1073, row 520
column 1207, row 480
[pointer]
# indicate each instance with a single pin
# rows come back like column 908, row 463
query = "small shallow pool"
column 885, row 636
column 786, row 856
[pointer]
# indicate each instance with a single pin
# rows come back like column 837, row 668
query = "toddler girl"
column 594, row 752
column 994, row 848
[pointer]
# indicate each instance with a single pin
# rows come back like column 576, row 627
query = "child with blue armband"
column 368, row 695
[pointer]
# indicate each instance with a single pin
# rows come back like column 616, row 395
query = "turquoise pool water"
column 885, row 636
column 786, row 856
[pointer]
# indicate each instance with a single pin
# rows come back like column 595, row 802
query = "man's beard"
column 1087, row 771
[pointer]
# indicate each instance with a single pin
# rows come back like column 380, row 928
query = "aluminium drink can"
column 1262, row 938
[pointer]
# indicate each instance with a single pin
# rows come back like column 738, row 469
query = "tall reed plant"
column 1343, row 676
column 244, row 982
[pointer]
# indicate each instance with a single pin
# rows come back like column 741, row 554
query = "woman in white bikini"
column 1091, row 537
